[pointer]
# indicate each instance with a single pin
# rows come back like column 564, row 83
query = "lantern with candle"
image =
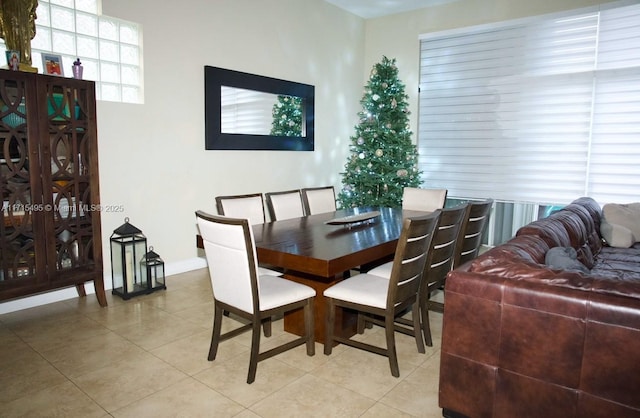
column 128, row 245
column 152, row 267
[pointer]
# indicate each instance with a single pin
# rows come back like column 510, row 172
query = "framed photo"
column 52, row 64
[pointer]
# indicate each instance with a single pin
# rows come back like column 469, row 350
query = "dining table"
column 323, row 249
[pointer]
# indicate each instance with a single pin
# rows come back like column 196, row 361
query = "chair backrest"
column 230, row 250
column 410, row 259
column 319, row 200
column 443, row 246
column 473, row 226
column 284, row 205
column 246, row 206
column 427, row 200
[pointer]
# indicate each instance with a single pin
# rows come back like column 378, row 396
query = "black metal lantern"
column 152, row 268
column 128, row 245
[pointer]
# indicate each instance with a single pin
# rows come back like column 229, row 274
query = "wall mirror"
column 251, row 112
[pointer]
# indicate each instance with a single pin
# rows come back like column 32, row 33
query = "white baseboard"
column 70, row 292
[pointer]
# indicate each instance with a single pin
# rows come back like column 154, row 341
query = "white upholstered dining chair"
column 318, row 200
column 380, row 297
column 239, row 289
column 427, row 200
column 439, row 262
column 473, row 226
column 247, row 206
column 285, row 205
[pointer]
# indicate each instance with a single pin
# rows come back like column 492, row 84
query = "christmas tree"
column 287, row 116
column 383, row 159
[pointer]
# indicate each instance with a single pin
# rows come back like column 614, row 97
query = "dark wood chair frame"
column 220, row 207
column 439, row 263
column 402, row 293
column 258, row 317
column 474, row 224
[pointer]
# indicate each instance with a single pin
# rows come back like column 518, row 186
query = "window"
column 110, row 49
column 541, row 110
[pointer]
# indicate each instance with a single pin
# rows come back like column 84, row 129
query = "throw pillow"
column 564, row 258
column 620, row 225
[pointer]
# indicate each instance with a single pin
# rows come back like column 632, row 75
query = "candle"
column 152, row 271
column 129, row 270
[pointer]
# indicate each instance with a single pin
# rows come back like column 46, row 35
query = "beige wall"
column 152, row 156
column 397, row 36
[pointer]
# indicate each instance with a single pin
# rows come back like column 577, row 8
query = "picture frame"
column 52, row 64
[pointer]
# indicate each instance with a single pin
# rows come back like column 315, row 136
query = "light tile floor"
column 147, row 357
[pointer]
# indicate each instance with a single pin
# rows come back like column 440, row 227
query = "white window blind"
column 246, row 111
column 544, row 110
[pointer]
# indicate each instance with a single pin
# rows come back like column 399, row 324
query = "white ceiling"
column 368, row 9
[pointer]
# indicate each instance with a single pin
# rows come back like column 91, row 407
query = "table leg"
column 294, row 321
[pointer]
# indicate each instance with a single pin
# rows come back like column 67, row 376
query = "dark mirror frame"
column 215, row 139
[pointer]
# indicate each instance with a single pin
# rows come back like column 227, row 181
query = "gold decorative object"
column 18, row 27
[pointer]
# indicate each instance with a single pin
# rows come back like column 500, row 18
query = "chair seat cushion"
column 263, row 271
column 383, row 270
column 278, row 291
column 365, row 289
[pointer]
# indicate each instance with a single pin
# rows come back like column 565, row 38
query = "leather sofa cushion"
column 523, row 258
column 616, row 271
column 551, row 230
column 589, row 213
column 602, row 279
column 567, row 228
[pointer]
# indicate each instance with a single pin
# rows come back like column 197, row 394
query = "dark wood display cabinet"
column 50, row 234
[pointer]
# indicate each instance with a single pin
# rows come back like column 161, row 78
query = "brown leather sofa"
column 521, row 339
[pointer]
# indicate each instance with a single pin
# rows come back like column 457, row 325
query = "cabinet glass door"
column 70, row 189
column 19, row 199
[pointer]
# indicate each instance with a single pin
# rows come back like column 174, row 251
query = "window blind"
column 544, row 110
column 246, row 111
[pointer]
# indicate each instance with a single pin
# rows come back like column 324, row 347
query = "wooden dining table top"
column 310, row 246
